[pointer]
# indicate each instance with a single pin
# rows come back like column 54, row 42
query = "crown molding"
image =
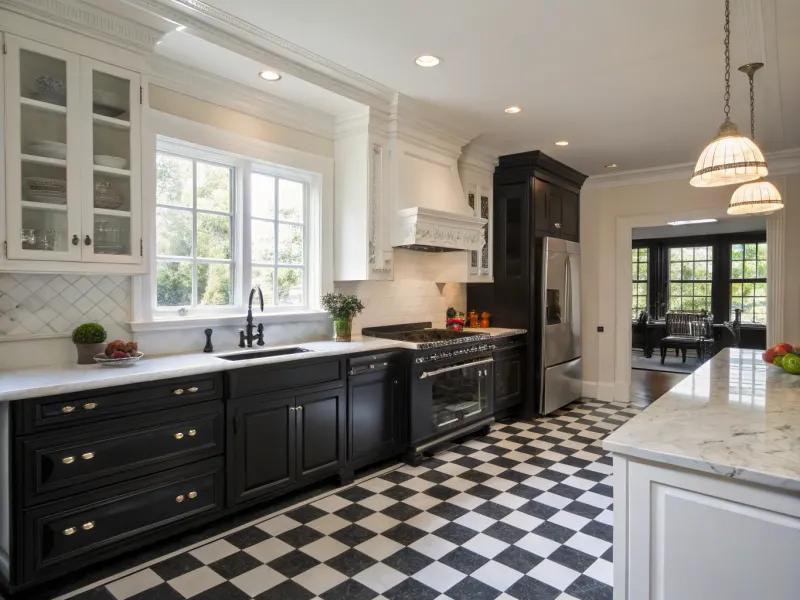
column 480, row 158
column 233, row 33
column 419, row 123
column 184, row 79
column 783, row 162
column 90, row 20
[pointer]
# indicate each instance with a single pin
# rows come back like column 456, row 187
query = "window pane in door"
column 690, row 278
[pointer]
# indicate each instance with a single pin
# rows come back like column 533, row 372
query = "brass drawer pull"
column 68, row 460
column 178, row 436
column 90, row 405
column 179, row 498
column 192, row 390
column 70, row 530
column 178, row 392
column 192, row 432
column 192, row 495
column 87, row 455
column 88, row 526
column 67, row 409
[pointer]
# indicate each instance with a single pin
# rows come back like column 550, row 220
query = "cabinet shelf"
column 44, row 206
column 43, row 160
column 111, row 121
column 48, row 106
column 112, row 171
column 112, row 213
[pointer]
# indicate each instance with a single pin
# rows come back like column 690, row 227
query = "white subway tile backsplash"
column 33, row 305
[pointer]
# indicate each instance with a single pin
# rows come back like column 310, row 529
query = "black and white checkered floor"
column 524, row 512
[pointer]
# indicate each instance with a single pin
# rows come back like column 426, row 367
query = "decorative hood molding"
column 431, row 230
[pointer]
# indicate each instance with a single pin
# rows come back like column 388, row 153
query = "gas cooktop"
column 423, row 336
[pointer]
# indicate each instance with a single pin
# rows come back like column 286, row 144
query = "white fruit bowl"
column 106, row 361
column 115, row 162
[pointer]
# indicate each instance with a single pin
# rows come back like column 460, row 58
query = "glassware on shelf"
column 52, row 90
column 39, row 239
column 105, row 196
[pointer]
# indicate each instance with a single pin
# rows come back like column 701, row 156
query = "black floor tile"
column 408, row 561
column 351, row 562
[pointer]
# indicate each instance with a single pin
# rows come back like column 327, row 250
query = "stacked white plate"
column 46, row 190
column 48, row 149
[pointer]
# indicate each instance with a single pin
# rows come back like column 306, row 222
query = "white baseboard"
column 598, row 391
column 589, row 389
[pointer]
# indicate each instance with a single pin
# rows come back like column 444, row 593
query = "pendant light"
column 731, row 157
column 757, row 197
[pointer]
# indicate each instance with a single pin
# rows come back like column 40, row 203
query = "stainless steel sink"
column 263, row 353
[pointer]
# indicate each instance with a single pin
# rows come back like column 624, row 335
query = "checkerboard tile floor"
column 524, row 512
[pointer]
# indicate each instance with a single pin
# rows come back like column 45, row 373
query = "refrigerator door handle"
column 567, row 290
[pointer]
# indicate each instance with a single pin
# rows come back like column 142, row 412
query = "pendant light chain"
column 727, row 59
column 752, row 108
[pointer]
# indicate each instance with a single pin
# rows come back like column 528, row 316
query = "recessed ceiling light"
column 269, row 75
column 611, row 166
column 693, row 222
column 512, row 110
column 180, row 28
column 562, row 143
column 427, row 60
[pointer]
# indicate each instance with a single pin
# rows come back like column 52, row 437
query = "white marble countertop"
column 496, row 331
column 737, row 417
column 63, row 379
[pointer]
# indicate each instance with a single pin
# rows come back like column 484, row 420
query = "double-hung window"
column 223, row 224
column 748, row 282
column 690, row 278
column 639, row 263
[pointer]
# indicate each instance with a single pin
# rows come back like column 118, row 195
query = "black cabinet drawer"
column 80, row 530
column 66, row 463
column 83, row 407
column 284, row 376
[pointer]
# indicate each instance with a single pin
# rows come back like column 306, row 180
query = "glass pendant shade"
column 755, row 198
column 730, row 158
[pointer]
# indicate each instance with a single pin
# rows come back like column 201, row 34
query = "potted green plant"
column 89, row 339
column 342, row 309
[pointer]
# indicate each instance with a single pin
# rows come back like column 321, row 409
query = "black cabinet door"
column 570, row 216
column 320, row 433
column 508, row 384
column 374, row 418
column 511, row 210
column 547, row 208
column 262, row 447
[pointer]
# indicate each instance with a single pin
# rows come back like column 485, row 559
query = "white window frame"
column 181, row 137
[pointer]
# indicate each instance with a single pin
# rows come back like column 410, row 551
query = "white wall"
column 607, row 216
column 411, row 298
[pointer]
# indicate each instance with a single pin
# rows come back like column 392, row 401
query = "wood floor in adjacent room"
column 649, row 386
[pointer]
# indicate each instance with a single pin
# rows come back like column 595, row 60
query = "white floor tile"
column 324, row 549
column 197, row 581
column 439, row 576
column 588, row 544
column 320, row 579
column 602, row 570
column 278, row 525
column 269, row 550
column 427, row 522
column 380, row 577
column 465, row 500
column 331, row 503
column 377, row 502
column 485, row 545
column 418, row 484
column 554, row 574
column 537, row 544
column 379, row 547
column 422, row 501
column 214, row 551
column 475, row 521
column 569, row 520
column 329, row 523
column 133, row 584
column 497, row 575
column 522, row 520
column 433, row 546
column 378, row 522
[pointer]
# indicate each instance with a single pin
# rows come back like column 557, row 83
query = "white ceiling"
column 633, row 82
column 726, row 225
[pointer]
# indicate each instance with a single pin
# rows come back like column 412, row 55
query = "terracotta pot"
column 342, row 329
column 86, row 352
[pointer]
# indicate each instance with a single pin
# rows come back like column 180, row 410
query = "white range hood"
column 429, row 230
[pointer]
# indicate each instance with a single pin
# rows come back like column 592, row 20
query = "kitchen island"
column 707, row 487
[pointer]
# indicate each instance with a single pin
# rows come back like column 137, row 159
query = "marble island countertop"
column 64, row 379
column 736, row 417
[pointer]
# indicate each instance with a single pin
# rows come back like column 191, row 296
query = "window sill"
column 226, row 320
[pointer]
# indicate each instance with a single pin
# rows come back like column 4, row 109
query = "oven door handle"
column 427, row 374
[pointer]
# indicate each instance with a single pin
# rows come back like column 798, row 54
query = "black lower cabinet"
column 275, row 444
column 262, row 455
column 375, row 418
column 509, row 366
column 71, row 533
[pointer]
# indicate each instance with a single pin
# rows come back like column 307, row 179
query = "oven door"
column 448, row 397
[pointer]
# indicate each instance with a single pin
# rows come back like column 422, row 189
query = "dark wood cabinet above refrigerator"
column 535, row 196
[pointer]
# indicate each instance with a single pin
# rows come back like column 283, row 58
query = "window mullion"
column 195, row 287
column 275, row 241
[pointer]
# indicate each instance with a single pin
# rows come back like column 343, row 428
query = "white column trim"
column 776, row 240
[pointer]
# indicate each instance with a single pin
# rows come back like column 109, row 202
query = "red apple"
column 768, row 355
column 783, row 348
column 118, row 354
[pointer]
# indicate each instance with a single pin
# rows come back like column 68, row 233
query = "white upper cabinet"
column 477, row 181
column 72, row 161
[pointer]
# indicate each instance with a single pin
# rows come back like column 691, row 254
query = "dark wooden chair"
column 688, row 331
column 639, row 338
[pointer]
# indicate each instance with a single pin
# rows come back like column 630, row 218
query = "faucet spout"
column 256, row 288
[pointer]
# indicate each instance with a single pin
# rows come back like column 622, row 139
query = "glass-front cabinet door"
column 43, row 133
column 110, row 99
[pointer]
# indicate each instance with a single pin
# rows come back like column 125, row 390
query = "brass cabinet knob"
column 558, row 225
column 67, row 409
column 192, row 390
column 68, row 460
column 88, row 526
column 90, row 405
column 192, row 432
column 87, row 455
column 179, row 498
column 178, row 436
column 300, row 408
column 192, row 495
column 178, row 392
column 70, row 530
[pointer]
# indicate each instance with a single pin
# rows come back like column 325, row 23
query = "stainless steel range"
column 450, row 383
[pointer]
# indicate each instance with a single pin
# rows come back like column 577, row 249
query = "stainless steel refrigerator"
column 561, row 373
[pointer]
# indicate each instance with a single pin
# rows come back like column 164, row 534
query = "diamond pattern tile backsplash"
column 32, row 305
